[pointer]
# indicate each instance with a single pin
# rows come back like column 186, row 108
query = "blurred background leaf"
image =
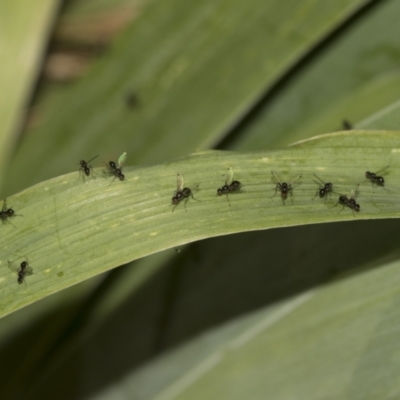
column 160, row 79
column 24, row 30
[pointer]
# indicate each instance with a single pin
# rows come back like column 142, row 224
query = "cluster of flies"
column 326, row 189
column 113, row 169
column 5, row 214
column 183, row 193
column 285, row 189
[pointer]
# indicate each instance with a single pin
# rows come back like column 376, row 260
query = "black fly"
column 22, row 271
column 85, row 167
column 283, row 187
column 230, row 186
column 6, row 213
column 182, row 193
column 116, row 171
column 346, row 125
column 349, row 201
column 375, row 178
column 324, row 190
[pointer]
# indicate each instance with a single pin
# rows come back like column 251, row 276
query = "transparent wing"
column 275, row 176
column 28, row 270
column 319, row 179
column 229, row 176
column 294, row 180
column 179, row 182
column 92, row 159
column 355, row 192
column 121, row 159
column 382, row 169
column 13, row 266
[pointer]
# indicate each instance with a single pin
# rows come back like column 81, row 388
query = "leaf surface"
column 72, row 230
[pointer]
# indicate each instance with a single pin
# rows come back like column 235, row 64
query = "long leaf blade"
column 72, row 230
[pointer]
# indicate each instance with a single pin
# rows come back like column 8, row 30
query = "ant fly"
column 7, row 213
column 233, row 186
column 349, row 202
column 182, row 193
column 375, row 178
column 22, row 271
column 85, row 167
column 284, row 188
column 115, row 171
column 346, row 125
column 324, row 190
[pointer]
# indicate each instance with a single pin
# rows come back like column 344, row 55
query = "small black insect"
column 131, row 100
column 22, row 271
column 283, row 187
column 6, row 213
column 86, row 167
column 230, row 186
column 182, row 193
column 349, row 202
column 116, row 171
column 324, row 190
column 375, row 178
column 346, row 125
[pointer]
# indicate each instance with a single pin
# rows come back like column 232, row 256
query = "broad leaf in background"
column 351, row 77
column 321, row 344
column 24, row 27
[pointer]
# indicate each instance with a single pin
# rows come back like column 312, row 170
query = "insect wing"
column 179, row 183
column 294, row 180
column 92, row 159
column 276, row 177
column 323, row 183
column 355, row 192
column 382, row 169
column 28, row 270
column 12, row 266
column 121, row 159
column 229, row 176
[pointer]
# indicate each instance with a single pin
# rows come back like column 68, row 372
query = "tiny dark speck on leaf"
column 60, row 274
column 132, row 100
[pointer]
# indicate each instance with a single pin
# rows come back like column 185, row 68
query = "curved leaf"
column 71, row 230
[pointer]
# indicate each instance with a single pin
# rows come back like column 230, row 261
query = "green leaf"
column 387, row 118
column 23, row 35
column 348, row 78
column 71, row 230
column 339, row 340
